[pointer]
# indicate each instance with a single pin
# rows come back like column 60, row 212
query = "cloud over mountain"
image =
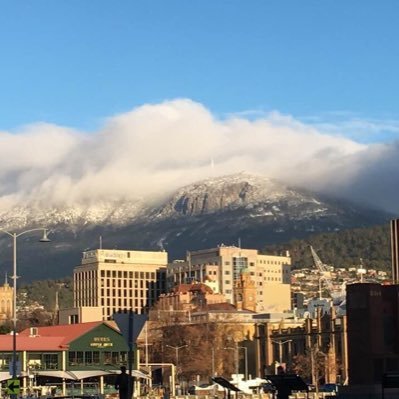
column 154, row 149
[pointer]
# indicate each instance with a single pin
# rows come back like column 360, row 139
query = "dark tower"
column 395, row 250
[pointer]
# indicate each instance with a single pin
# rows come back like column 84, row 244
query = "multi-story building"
column 115, row 280
column 373, row 328
column 221, row 268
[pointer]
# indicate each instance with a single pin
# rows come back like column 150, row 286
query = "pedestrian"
column 283, row 390
column 123, row 384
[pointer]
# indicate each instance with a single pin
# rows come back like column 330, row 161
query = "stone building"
column 188, row 297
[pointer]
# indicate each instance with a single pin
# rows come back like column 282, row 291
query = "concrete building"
column 221, row 268
column 6, row 302
column 109, row 281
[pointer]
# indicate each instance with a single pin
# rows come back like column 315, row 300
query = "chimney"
column 33, row 332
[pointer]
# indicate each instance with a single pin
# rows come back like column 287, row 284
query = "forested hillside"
column 43, row 292
column 342, row 249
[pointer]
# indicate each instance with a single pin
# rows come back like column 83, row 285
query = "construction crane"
column 324, row 273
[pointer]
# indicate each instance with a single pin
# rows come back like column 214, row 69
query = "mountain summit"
column 257, row 195
column 252, row 209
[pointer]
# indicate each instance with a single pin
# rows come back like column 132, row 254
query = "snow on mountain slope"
column 258, row 195
column 108, row 213
column 254, row 196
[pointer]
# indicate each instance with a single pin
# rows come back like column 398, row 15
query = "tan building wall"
column 6, row 302
column 116, row 280
column 222, row 267
column 80, row 315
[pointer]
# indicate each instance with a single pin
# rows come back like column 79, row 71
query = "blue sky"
column 94, row 94
column 328, row 63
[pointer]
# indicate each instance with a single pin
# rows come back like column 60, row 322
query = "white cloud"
column 156, row 148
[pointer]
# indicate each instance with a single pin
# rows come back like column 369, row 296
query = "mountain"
column 254, row 210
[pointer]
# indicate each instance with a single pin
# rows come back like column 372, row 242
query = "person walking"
column 124, row 384
column 283, row 390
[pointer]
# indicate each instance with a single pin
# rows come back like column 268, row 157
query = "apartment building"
column 116, row 280
column 221, row 268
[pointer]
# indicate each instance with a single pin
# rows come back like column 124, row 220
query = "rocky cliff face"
column 256, row 195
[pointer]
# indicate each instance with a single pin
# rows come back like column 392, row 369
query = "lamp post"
column 177, row 348
column 14, row 277
column 280, row 351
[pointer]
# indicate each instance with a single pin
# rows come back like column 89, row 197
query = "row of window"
column 92, row 274
column 126, row 303
column 129, row 293
column 51, row 361
column 35, row 361
column 128, row 274
column 95, row 358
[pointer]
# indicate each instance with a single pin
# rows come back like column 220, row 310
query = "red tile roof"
column 25, row 343
column 69, row 332
column 185, row 288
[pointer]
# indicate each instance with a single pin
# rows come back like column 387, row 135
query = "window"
column 107, row 358
column 50, row 361
column 227, row 282
column 239, row 263
column 6, row 360
column 89, row 357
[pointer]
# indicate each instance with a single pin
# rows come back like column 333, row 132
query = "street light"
column 14, row 279
column 177, row 348
column 280, row 344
